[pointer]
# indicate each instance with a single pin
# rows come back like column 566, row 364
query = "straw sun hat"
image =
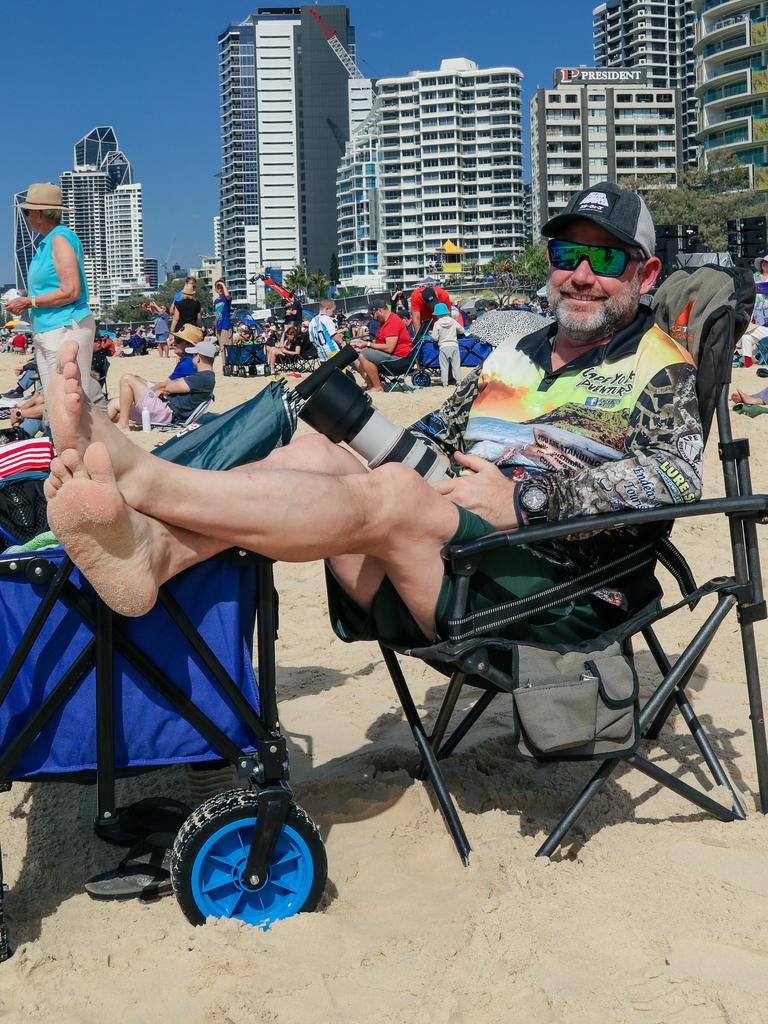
column 43, row 196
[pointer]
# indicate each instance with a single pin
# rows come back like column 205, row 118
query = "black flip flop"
column 146, row 817
column 144, row 873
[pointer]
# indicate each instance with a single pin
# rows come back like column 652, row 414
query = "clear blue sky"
column 149, row 68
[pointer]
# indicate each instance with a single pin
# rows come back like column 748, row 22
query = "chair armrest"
column 462, row 555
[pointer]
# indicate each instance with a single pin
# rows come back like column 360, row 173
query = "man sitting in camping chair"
column 595, row 413
column 169, row 402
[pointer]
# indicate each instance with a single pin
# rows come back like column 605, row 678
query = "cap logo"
column 597, row 201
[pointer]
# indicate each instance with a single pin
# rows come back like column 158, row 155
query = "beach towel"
column 749, row 409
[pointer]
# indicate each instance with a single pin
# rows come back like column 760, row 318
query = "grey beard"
column 615, row 312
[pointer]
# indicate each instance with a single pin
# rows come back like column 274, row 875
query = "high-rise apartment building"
column 285, row 119
column 151, row 272
column 582, row 134
column 732, row 83
column 217, row 237
column 104, row 207
column 24, row 242
column 358, row 207
column 657, row 36
column 444, row 166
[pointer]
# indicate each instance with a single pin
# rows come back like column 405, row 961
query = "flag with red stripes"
column 31, row 456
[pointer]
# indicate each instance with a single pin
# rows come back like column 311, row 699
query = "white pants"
column 47, row 345
column 449, row 356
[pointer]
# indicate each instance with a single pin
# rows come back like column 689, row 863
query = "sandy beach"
column 652, row 914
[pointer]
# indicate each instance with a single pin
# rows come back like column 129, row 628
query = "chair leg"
column 443, row 717
column 446, row 710
column 665, row 778
column 577, row 808
column 707, row 752
column 465, row 724
column 5, row 951
column 444, row 800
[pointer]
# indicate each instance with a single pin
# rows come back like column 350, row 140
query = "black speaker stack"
column 672, row 239
column 747, row 240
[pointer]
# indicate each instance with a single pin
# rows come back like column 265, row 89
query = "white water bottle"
column 146, row 426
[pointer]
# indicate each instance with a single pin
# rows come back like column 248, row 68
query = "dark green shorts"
column 502, row 576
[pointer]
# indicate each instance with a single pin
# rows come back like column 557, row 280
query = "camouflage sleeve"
column 664, row 455
column 446, row 425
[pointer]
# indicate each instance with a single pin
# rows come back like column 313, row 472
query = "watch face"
column 534, row 499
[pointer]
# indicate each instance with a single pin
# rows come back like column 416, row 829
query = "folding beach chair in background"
column 394, row 375
column 582, row 702
column 243, row 360
column 193, row 417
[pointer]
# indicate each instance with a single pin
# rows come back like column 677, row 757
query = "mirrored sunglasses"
column 604, row 260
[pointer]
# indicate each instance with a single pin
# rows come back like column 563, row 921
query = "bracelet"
column 33, row 301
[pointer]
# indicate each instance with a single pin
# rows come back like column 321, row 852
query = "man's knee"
column 400, row 499
column 316, row 453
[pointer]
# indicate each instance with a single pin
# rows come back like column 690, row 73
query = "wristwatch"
column 533, row 498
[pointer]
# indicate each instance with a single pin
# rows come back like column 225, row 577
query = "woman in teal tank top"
column 57, row 300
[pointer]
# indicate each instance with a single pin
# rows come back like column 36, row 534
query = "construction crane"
column 332, row 38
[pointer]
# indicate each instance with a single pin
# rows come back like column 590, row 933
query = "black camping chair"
column 476, row 656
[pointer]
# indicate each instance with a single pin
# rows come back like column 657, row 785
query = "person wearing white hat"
column 57, row 303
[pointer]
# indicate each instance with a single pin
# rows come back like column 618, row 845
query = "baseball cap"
column 618, row 210
column 429, row 295
column 204, row 348
column 377, row 304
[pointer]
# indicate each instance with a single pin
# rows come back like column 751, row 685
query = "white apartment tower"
column 285, row 119
column 124, row 224
column 659, row 36
column 582, row 134
column 448, row 167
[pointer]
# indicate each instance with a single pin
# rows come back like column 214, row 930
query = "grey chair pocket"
column 575, row 705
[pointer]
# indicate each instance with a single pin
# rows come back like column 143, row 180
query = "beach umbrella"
column 249, row 321
column 511, row 325
column 15, row 324
column 108, row 334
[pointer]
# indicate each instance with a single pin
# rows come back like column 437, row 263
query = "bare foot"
column 121, row 552
column 66, row 403
column 75, row 425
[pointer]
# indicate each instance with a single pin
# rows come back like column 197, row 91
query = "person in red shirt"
column 423, row 302
column 391, row 344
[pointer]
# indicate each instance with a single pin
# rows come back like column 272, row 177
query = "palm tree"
column 296, row 280
column 318, row 285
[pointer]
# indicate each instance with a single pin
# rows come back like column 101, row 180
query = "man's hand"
column 486, row 492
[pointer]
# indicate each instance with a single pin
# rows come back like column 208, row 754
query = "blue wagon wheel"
column 421, row 379
column 210, row 853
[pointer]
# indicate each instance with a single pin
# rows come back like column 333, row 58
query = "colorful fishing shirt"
column 618, row 427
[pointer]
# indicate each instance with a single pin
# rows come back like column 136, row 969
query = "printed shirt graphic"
column 579, row 421
column 619, row 430
column 321, row 331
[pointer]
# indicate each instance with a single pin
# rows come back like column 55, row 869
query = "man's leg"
column 132, row 391
column 369, row 524
column 391, row 517
column 371, row 373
